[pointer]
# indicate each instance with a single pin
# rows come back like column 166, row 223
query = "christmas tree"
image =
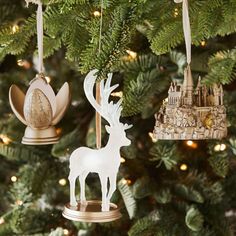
column 165, row 188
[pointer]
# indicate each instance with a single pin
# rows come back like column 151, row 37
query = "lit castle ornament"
column 190, row 113
column 105, row 161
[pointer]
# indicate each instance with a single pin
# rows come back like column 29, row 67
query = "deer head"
column 110, row 111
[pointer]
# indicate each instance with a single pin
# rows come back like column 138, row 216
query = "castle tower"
column 198, row 92
column 171, row 89
column 221, row 95
column 204, row 95
column 216, row 92
column 188, row 87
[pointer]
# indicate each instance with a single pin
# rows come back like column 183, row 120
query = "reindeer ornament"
column 105, row 161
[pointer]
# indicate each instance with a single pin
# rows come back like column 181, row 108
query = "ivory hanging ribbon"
column 39, row 32
column 186, row 27
column 98, row 97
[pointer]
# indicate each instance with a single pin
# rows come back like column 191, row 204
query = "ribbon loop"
column 39, row 32
column 186, row 28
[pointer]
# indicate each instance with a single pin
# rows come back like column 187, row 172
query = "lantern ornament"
column 105, row 161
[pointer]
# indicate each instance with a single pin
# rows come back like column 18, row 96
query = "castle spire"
column 199, row 84
column 188, row 87
column 198, row 92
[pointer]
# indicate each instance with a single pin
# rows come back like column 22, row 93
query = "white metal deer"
column 104, row 161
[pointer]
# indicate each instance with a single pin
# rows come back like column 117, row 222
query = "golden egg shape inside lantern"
column 37, row 110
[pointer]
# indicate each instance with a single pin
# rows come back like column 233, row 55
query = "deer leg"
column 103, row 180
column 82, row 178
column 112, row 180
column 72, row 180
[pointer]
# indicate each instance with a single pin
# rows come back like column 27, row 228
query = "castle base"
column 185, row 123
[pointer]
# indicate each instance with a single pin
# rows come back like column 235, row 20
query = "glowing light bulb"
column 23, row 63
column 191, row 144
column 219, row 147
column 65, row 231
column 203, row 43
column 19, row 202
column 5, row 139
column 13, row 179
column 176, row 12
column 154, row 140
column 222, row 147
column 2, row 221
column 183, row 167
column 62, row 182
column 126, row 181
column 97, row 13
column 15, row 28
column 122, row 160
column 132, row 54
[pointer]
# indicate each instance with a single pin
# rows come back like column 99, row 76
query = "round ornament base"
column 40, row 136
column 91, row 212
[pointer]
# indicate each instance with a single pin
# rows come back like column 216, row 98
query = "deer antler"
column 108, row 110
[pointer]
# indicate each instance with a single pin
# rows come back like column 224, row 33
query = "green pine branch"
column 130, row 202
column 222, row 67
column 113, row 41
column 16, row 43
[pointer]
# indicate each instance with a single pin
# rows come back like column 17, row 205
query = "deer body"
column 105, row 161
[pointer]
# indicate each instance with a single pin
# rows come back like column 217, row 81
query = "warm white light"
column 222, row 147
column 176, row 12
column 183, row 167
column 126, row 181
column 5, row 139
column 19, row 202
column 191, row 144
column 15, row 28
column 23, row 63
column 152, row 137
column 203, row 43
column 48, row 79
column 117, row 94
column 219, row 147
column 2, row 221
column 122, row 160
column 13, row 178
column 66, row 231
column 97, row 13
column 132, row 54
column 62, row 182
